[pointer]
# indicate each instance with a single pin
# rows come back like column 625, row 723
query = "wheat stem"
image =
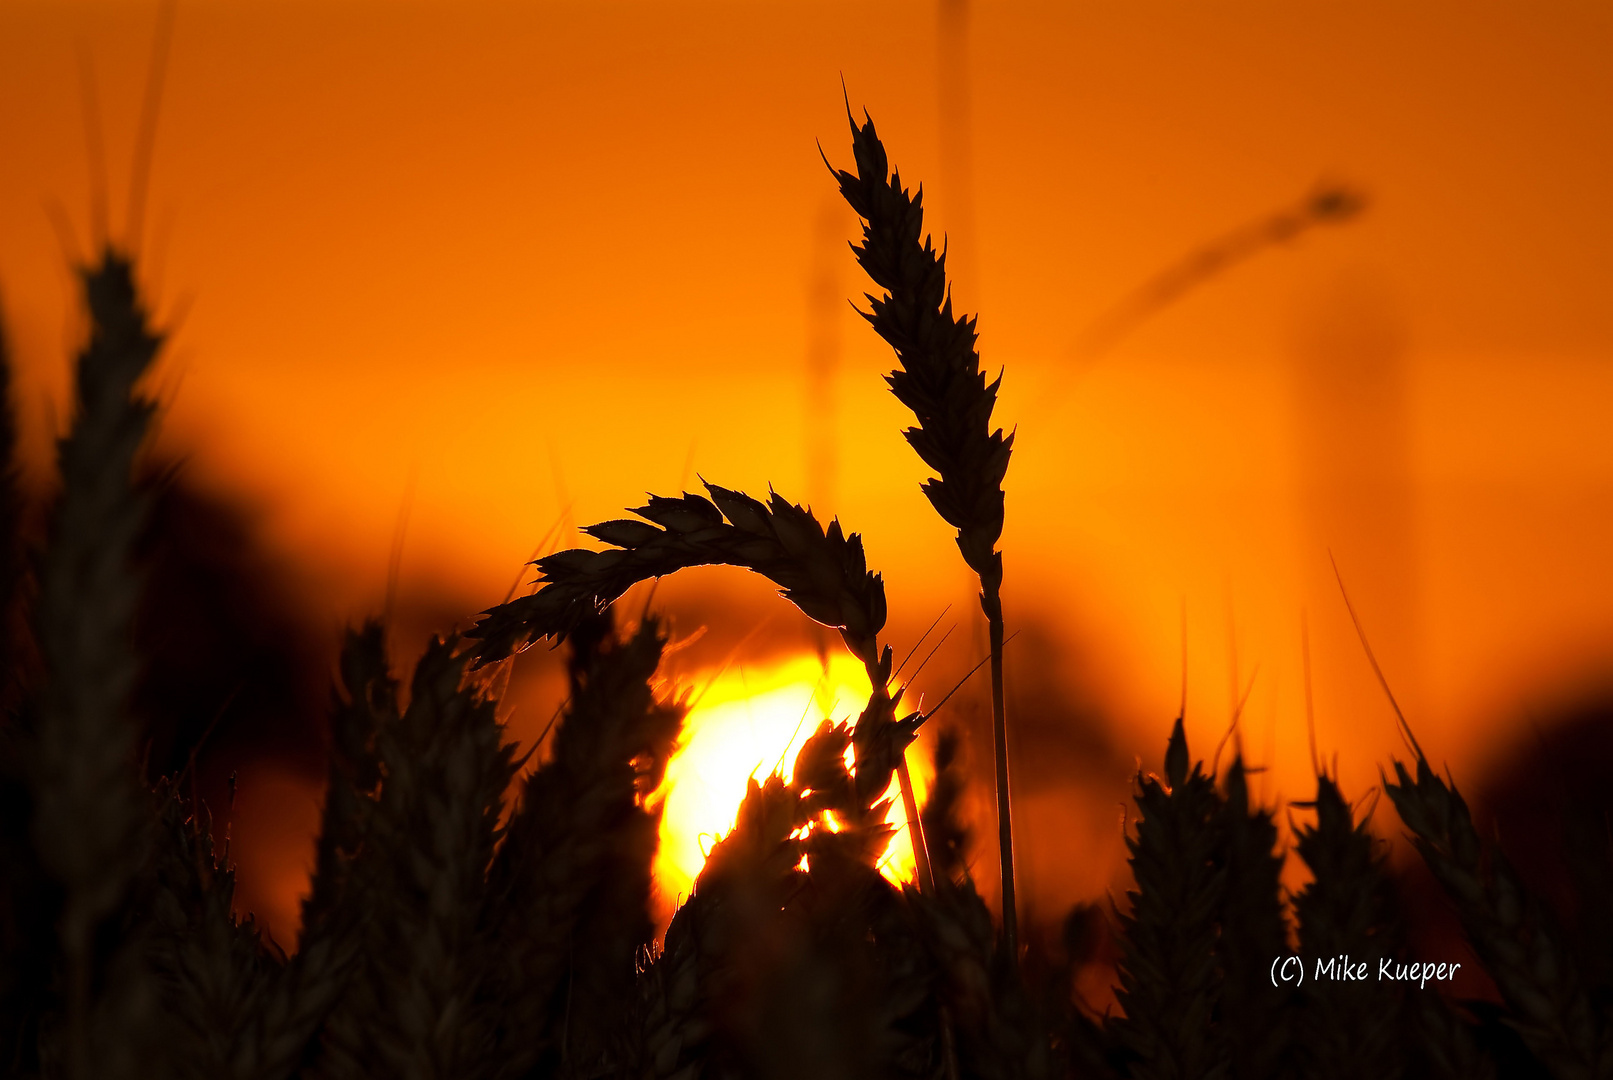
column 915, row 827
column 999, row 743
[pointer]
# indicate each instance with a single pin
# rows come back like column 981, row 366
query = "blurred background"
column 446, row 280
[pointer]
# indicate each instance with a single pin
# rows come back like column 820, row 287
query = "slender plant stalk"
column 940, row 380
column 999, row 748
column 915, row 827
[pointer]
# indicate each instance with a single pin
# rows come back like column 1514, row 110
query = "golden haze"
column 531, row 260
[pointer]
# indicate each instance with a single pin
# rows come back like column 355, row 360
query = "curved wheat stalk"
column 822, row 571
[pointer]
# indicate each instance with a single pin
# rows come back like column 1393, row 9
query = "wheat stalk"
column 940, row 380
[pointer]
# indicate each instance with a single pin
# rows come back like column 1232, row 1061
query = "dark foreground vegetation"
column 472, row 915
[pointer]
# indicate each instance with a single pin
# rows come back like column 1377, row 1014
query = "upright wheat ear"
column 940, row 380
column 91, row 822
column 1171, row 986
column 1349, row 907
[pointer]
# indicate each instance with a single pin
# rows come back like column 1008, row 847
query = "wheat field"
column 477, row 914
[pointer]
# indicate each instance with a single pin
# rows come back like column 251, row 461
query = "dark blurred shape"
column 364, row 703
column 946, row 834
column 11, row 532
column 1060, row 737
column 1328, row 203
column 1550, row 802
column 27, row 901
column 236, row 669
column 1505, row 1046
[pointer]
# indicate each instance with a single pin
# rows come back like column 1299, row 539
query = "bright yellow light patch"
column 750, row 722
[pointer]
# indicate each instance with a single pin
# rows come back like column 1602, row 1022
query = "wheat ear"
column 367, row 703
column 940, row 380
column 613, row 931
column 1348, row 908
column 1170, row 986
column 232, row 1007
column 1253, row 1011
column 989, row 1022
column 822, row 571
column 418, row 1010
column 1512, row 932
column 816, row 971
column 566, row 835
column 91, row 823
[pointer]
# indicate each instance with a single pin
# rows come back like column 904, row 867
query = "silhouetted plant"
column 465, row 921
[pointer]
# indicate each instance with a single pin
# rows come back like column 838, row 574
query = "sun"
column 749, row 721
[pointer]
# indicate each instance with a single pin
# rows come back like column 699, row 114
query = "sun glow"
column 751, row 722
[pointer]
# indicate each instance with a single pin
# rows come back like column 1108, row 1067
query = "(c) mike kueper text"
column 1292, row 969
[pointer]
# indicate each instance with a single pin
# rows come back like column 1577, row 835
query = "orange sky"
column 523, row 254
